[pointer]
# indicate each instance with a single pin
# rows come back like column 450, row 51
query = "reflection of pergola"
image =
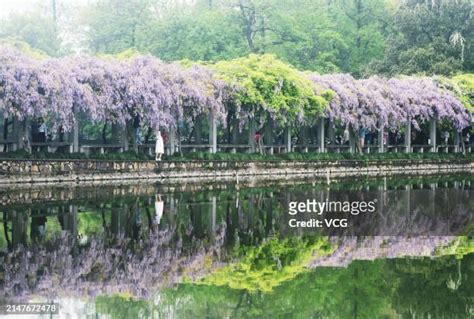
column 209, row 136
column 416, row 201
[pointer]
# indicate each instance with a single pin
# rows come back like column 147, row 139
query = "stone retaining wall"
column 37, row 171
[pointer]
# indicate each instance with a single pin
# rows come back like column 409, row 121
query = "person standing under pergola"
column 159, row 146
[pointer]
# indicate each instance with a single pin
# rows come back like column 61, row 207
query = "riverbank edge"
column 60, row 171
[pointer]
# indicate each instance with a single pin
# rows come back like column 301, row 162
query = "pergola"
column 228, row 102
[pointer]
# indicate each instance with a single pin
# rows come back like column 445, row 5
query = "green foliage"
column 360, row 25
column 125, row 156
column 36, row 28
column 354, row 36
column 89, row 223
column 205, row 156
column 466, row 84
column 317, row 156
column 122, row 306
column 273, row 262
column 430, row 37
column 386, row 288
column 202, row 36
column 23, row 47
column 115, row 26
column 268, row 85
column 459, row 247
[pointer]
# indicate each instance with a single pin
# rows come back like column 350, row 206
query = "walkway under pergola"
column 208, row 136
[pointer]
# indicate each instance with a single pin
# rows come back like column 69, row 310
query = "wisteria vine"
column 376, row 102
column 163, row 94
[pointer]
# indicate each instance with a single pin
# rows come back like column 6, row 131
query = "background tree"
column 431, row 37
column 37, row 28
column 360, row 37
column 117, row 25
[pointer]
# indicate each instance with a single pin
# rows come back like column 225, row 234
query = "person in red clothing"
column 259, row 142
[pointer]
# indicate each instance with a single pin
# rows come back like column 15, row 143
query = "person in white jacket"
column 159, row 147
column 159, row 205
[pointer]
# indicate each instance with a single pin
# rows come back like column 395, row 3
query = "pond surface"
column 229, row 251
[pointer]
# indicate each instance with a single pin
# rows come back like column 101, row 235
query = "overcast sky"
column 12, row 6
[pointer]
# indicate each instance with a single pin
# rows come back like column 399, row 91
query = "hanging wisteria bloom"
column 377, row 102
column 23, row 88
column 101, row 93
column 421, row 99
column 344, row 106
column 147, row 94
column 165, row 94
column 195, row 91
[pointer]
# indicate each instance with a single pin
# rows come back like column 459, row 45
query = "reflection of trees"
column 5, row 230
column 267, row 265
column 115, row 244
column 423, row 292
column 365, row 289
column 454, row 285
column 119, row 306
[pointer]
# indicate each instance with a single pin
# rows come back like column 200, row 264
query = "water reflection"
column 228, row 242
column 385, row 288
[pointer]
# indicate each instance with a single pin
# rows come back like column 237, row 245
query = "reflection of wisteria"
column 135, row 240
column 137, row 267
column 378, row 247
column 141, row 268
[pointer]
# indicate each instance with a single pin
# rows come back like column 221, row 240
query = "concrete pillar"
column 408, row 189
column 172, row 140
column 75, row 135
column 252, row 129
column 432, row 199
column 321, row 137
column 433, row 125
column 212, row 217
column 70, row 220
column 234, row 133
column 268, row 136
column 212, row 132
column 331, row 133
column 115, row 134
column 17, row 134
column 380, row 140
column 19, row 228
column 288, row 139
column 124, row 137
column 21, row 134
column 457, row 141
column 408, row 137
column 352, row 141
column 197, row 130
column 118, row 220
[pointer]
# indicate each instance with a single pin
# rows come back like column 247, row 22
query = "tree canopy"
column 360, row 37
column 266, row 85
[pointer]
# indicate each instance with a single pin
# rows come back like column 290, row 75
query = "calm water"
column 227, row 250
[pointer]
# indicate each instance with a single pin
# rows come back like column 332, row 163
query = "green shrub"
column 221, row 156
